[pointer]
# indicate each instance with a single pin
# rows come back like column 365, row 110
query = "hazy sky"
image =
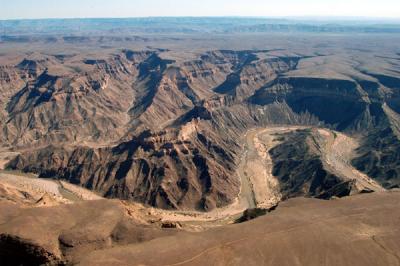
column 10, row 9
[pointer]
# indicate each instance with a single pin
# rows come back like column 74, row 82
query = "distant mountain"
column 161, row 25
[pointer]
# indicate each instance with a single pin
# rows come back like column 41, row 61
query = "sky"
column 24, row 9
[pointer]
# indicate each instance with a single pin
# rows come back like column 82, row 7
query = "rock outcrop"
column 149, row 127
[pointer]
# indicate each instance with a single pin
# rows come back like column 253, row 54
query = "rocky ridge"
column 144, row 126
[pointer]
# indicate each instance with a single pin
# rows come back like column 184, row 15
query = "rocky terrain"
column 154, row 128
column 28, row 190
column 157, row 137
column 358, row 230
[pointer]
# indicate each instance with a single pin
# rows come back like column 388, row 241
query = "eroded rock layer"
column 166, row 130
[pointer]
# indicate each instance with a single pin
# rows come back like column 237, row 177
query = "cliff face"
column 300, row 170
column 145, row 126
column 336, row 102
column 60, row 105
column 379, row 157
column 170, row 169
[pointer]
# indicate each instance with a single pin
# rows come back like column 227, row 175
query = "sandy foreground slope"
column 362, row 230
column 358, row 230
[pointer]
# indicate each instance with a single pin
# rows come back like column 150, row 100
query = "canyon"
column 150, row 139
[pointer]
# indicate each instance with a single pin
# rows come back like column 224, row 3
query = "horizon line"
column 311, row 17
